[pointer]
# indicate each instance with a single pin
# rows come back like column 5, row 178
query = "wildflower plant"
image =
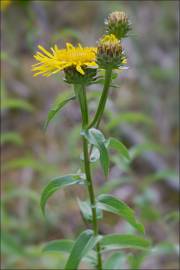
column 81, row 66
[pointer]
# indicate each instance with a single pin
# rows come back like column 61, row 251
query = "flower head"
column 77, row 58
column 118, row 24
column 109, row 52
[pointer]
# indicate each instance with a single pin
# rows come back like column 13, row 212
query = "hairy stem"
column 80, row 91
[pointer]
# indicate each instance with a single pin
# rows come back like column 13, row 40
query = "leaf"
column 12, row 103
column 11, row 137
column 58, row 104
column 173, row 216
column 84, row 243
column 59, row 245
column 87, row 211
column 22, row 193
column 95, row 137
column 11, row 245
column 55, row 185
column 115, row 261
column 120, row 147
column 161, row 176
column 136, row 260
column 139, row 149
column 28, row 162
column 116, row 241
column 113, row 184
column 165, row 248
column 131, row 117
column 111, row 204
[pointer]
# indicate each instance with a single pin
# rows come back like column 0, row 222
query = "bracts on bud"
column 118, row 24
column 109, row 52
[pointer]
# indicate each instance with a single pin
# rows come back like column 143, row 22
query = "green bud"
column 118, row 24
column 109, row 52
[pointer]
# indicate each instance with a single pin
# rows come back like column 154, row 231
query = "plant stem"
column 92, row 199
column 103, row 99
column 80, row 91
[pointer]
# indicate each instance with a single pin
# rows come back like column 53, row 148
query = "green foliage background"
column 142, row 112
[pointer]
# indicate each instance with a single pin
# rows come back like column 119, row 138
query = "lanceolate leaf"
column 11, row 137
column 84, row 243
column 95, row 137
column 116, row 241
column 59, row 245
column 55, row 185
column 131, row 117
column 59, row 103
column 120, row 147
column 111, row 204
column 66, row 245
column 16, row 104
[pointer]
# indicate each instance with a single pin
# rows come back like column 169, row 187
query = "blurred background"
column 142, row 112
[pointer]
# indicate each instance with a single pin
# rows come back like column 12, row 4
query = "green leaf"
column 21, row 193
column 95, row 137
column 11, row 245
column 11, row 137
column 116, row 241
column 58, row 104
column 87, row 211
column 84, row 243
column 165, row 248
column 28, row 162
column 59, row 245
column 161, row 176
column 113, row 184
column 115, row 261
column 12, row 103
column 173, row 216
column 139, row 149
column 136, row 260
column 120, row 147
column 131, row 117
column 111, row 204
column 57, row 184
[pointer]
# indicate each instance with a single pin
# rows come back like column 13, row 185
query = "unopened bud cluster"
column 118, row 24
column 109, row 52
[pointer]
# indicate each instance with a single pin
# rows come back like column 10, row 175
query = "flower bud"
column 109, row 52
column 118, row 24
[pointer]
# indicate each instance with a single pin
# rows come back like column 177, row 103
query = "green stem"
column 103, row 99
column 80, row 92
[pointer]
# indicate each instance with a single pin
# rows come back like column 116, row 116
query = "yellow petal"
column 45, row 51
column 79, row 69
column 124, row 61
column 79, row 45
column 69, row 46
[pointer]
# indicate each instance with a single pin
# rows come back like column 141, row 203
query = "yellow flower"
column 5, row 4
column 60, row 59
